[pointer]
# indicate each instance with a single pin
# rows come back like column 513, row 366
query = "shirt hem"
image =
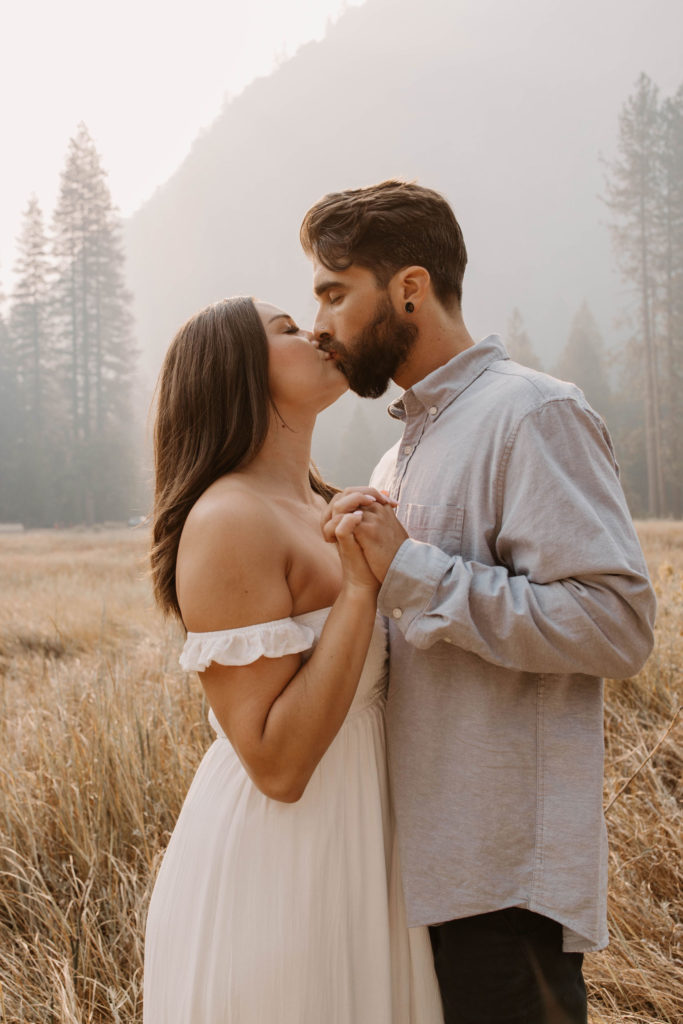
column 574, row 937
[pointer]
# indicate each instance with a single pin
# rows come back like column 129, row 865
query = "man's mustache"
column 338, row 353
column 333, row 348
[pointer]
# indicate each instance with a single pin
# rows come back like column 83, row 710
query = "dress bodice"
column 373, row 681
column 292, row 635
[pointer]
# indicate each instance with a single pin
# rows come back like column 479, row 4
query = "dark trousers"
column 507, row 968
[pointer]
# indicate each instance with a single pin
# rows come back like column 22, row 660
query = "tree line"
column 68, row 359
column 68, row 355
column 638, row 389
column 645, row 197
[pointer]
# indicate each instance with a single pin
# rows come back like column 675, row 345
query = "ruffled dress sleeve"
column 245, row 645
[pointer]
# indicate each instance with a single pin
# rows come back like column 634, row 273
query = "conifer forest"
column 68, row 359
column 638, row 390
column 72, row 422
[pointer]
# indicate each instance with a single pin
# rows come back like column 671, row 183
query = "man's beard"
column 377, row 352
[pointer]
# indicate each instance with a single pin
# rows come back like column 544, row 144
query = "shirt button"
column 397, row 613
column 433, row 411
column 408, row 449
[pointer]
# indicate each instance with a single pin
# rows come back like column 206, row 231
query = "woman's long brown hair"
column 213, row 410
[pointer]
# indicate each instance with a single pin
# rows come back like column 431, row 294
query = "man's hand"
column 378, row 531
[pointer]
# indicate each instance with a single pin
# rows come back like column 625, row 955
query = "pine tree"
column 583, row 360
column 627, row 426
column 34, row 366
column 8, row 423
column 518, row 343
column 670, row 269
column 645, row 193
column 29, row 315
column 634, row 196
column 93, row 326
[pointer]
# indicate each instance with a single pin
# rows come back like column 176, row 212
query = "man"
column 513, row 581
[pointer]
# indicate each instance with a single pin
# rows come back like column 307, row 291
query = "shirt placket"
column 412, row 435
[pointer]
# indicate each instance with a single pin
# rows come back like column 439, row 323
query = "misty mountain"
column 504, row 107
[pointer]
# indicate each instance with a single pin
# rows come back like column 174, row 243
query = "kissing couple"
column 400, row 819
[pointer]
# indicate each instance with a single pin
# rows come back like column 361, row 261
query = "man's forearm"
column 599, row 625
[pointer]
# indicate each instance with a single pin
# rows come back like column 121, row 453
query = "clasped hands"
column 378, row 532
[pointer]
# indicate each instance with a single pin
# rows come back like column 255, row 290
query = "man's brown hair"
column 387, row 227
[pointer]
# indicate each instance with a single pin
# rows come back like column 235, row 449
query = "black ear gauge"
column 409, row 307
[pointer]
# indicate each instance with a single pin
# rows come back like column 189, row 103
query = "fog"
column 511, row 110
column 508, row 109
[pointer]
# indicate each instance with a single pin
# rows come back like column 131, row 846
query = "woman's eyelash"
column 292, row 329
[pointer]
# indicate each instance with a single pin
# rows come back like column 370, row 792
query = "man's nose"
column 321, row 329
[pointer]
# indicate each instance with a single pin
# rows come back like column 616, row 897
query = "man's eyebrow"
column 325, row 286
column 279, row 316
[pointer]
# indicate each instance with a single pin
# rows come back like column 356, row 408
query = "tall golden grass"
column 100, row 733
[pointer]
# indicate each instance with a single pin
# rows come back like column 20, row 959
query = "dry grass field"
column 100, row 733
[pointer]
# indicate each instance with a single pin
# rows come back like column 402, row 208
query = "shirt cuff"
column 411, row 580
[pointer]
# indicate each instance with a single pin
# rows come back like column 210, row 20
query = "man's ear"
column 408, row 288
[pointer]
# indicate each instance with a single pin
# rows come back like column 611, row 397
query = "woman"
column 278, row 900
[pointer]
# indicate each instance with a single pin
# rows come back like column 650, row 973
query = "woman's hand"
column 357, row 572
column 376, row 529
column 351, row 499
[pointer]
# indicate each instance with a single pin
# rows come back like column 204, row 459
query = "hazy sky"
column 144, row 75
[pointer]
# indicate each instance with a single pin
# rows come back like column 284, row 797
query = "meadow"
column 100, row 733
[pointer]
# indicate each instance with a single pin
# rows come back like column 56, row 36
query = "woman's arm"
column 279, row 715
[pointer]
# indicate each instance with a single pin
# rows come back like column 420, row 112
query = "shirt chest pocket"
column 440, row 525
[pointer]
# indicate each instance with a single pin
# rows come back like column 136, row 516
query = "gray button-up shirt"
column 522, row 584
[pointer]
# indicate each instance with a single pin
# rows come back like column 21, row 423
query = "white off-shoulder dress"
column 272, row 913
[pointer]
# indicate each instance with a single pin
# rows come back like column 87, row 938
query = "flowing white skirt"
column 273, row 913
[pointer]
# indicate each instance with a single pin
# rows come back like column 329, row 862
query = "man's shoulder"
column 521, row 390
column 538, row 386
column 534, row 402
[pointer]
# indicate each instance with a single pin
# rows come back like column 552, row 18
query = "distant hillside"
column 504, row 107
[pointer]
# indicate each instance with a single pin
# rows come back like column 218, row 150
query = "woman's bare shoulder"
column 232, row 560
column 229, row 502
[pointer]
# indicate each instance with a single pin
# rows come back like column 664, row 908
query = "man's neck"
column 442, row 335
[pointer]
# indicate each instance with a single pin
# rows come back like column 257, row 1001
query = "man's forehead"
column 320, row 271
column 324, row 278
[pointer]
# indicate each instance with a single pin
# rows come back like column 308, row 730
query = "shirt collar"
column 443, row 385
